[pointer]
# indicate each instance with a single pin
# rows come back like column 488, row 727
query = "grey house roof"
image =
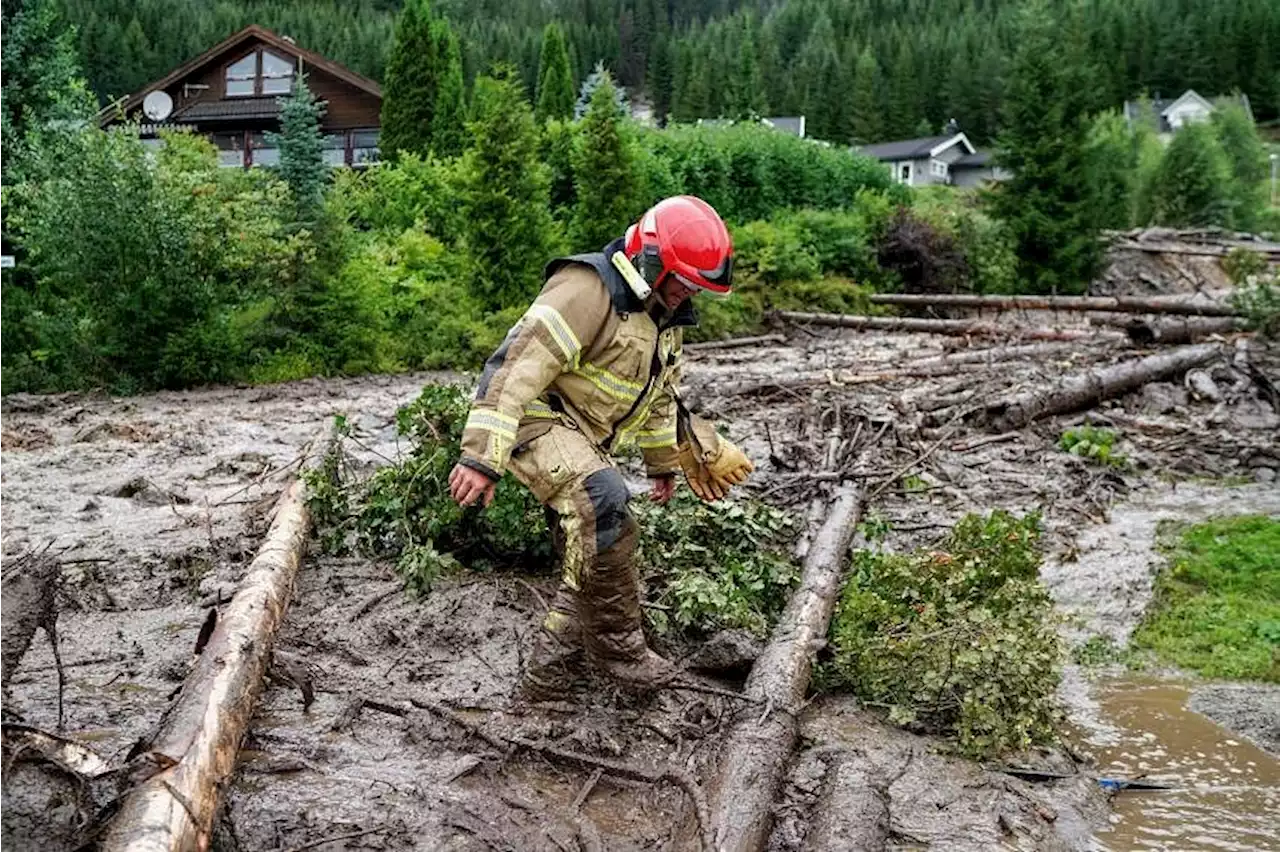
column 907, row 149
column 244, row 108
column 793, row 124
column 976, row 160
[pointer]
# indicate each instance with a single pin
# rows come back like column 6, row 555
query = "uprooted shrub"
column 707, row 566
column 926, row 259
column 957, row 641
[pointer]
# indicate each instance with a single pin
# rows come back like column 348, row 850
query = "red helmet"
column 685, row 237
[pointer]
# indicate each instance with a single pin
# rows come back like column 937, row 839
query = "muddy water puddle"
column 1224, row 791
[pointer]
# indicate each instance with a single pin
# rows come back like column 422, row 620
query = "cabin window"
column 939, row 168
column 230, row 149
column 242, row 76
column 906, row 173
column 260, row 73
column 364, row 147
column 335, row 149
column 277, row 74
column 262, row 152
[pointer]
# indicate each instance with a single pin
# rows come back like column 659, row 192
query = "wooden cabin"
column 230, row 94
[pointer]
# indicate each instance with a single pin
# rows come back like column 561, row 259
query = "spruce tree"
column 508, row 231
column 866, row 99
column 1111, row 167
column 1192, row 186
column 555, row 81
column 1248, row 159
column 412, row 83
column 448, row 130
column 905, row 107
column 662, row 80
column 1046, row 204
column 301, row 145
column 747, row 85
column 604, row 173
column 597, row 78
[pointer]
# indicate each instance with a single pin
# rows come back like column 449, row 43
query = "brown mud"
column 154, row 505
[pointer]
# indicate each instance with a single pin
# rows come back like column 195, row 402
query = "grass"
column 1217, row 604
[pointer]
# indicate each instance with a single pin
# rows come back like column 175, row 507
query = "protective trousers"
column 597, row 607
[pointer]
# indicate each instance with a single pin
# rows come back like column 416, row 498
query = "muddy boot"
column 556, row 658
column 612, row 629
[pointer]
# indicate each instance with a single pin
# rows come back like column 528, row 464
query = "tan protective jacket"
column 586, row 354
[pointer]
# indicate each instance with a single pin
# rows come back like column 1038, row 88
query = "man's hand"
column 662, row 488
column 466, row 485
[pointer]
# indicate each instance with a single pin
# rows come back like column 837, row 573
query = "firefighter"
column 593, row 365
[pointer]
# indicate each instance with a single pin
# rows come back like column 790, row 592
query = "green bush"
column 986, row 243
column 1093, row 443
column 1257, row 293
column 413, row 192
column 715, row 565
column 958, row 641
column 1217, row 605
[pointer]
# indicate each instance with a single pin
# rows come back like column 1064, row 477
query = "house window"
column 242, row 75
column 260, row 73
column 335, row 149
column 230, row 149
column 277, row 74
column 262, row 152
column 938, row 168
column 906, row 173
column 364, row 147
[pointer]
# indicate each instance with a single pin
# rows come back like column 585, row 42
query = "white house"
column 1170, row 115
column 949, row 159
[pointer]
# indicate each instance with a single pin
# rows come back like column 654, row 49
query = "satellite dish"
column 157, row 105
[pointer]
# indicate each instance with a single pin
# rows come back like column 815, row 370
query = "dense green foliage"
column 707, row 566
column 507, row 227
column 556, row 91
column 604, row 174
column 422, row 102
column 1043, row 141
column 958, row 640
column 1217, row 604
column 1093, row 443
column 1193, row 182
column 1257, row 290
column 936, row 59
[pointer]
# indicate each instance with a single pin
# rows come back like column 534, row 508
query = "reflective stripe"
column 561, row 333
column 494, row 422
column 656, row 440
column 541, row 410
column 611, row 383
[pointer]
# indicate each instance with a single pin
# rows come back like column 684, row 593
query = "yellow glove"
column 711, row 464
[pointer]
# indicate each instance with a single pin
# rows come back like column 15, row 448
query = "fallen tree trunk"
column 199, row 736
column 956, row 327
column 1114, row 304
column 1083, row 390
column 29, row 602
column 735, row 343
column 1145, row 331
column 754, row 758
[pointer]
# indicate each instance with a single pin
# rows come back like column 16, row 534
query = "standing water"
column 1224, row 791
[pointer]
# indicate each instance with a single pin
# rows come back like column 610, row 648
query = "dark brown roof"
column 240, row 108
column 250, row 33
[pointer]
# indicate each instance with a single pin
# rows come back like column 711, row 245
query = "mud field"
column 155, row 504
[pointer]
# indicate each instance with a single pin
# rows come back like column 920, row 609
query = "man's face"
column 673, row 292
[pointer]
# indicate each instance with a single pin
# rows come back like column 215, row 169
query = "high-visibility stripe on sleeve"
column 540, row 410
column 493, row 421
column 560, row 331
column 609, row 382
column 656, row 440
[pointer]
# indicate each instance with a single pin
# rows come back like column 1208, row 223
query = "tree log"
column 198, row 737
column 955, row 327
column 29, row 602
column 1114, row 304
column 1082, row 390
column 755, row 755
column 735, row 343
column 853, row 812
column 1145, row 331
